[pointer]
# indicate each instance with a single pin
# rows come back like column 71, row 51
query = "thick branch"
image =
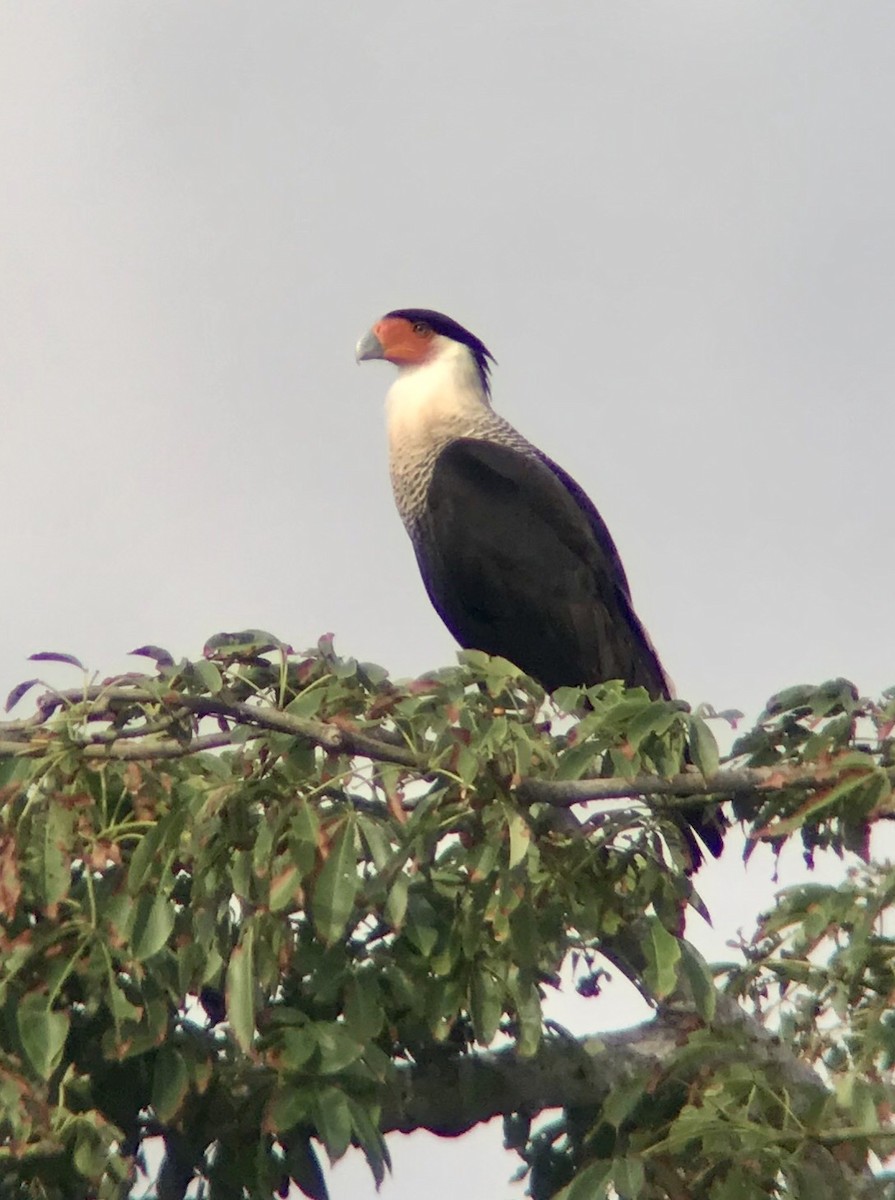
column 448, row 1096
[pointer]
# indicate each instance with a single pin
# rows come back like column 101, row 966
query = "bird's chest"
column 419, row 428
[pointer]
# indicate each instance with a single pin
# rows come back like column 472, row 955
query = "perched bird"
column 516, row 559
column 514, row 556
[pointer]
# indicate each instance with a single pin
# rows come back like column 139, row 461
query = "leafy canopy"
column 267, row 901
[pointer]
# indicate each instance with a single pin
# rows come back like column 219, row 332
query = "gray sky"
column 671, row 223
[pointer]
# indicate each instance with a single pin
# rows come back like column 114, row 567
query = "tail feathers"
column 701, row 827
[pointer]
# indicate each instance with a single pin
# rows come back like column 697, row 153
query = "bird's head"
column 414, row 337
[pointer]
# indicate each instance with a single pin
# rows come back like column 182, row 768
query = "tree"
column 266, row 901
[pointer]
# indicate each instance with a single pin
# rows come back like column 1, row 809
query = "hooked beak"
column 369, row 347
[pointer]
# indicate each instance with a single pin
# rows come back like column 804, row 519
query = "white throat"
column 430, row 404
column 426, row 408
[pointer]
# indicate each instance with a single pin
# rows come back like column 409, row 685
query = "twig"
column 131, row 752
column 739, row 781
column 337, row 739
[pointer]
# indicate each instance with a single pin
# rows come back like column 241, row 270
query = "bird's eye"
column 422, row 328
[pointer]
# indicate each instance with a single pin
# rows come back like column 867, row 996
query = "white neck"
column 427, row 407
column 430, row 404
column 449, row 383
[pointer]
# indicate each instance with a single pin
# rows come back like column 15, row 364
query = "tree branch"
column 337, row 738
column 449, row 1095
column 340, row 738
column 333, row 737
column 739, row 781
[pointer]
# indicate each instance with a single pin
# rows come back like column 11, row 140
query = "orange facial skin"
column 403, row 342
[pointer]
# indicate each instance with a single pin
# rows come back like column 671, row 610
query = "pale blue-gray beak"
column 369, row 347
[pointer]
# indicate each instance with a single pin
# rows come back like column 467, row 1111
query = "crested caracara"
column 516, row 559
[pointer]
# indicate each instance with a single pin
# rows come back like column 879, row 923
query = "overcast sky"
column 672, row 223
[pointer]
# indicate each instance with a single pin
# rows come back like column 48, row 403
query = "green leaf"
column 699, row 976
column 366, row 1128
column 499, row 673
column 297, row 1046
column 823, row 798
column 43, row 1033
column 589, row 1184
column 421, row 926
column 363, row 1010
column 244, row 643
column 209, row 674
column 90, row 1154
column 336, row 886
column 304, row 837
column 477, row 659
column 396, row 904
column 703, row 747
column 333, row 1120
column 304, row 1168
column 117, row 913
column 338, row 1049
column 344, row 668
column 486, row 1005
column 170, row 1083
column 240, row 990
column 482, row 860
column 567, row 698
column 119, row 1005
column 789, row 698
column 624, row 1098
column 48, row 856
column 242, row 873
column 520, row 838
column 467, row 765
column 656, row 718
column 307, row 703
column 663, row 952
column 148, row 852
column 528, row 1013
column 152, row 921
column 375, row 839
column 740, row 1183
column 525, row 934
column 857, row 1096
column 285, row 888
column 286, row 1106
column 574, row 762
column 628, row 1177
column 263, row 848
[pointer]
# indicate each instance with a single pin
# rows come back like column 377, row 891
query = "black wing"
column 518, row 562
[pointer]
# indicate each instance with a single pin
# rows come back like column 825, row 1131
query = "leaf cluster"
column 245, row 899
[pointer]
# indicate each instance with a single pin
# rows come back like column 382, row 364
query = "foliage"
column 250, row 902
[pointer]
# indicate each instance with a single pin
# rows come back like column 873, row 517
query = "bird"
column 514, row 556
